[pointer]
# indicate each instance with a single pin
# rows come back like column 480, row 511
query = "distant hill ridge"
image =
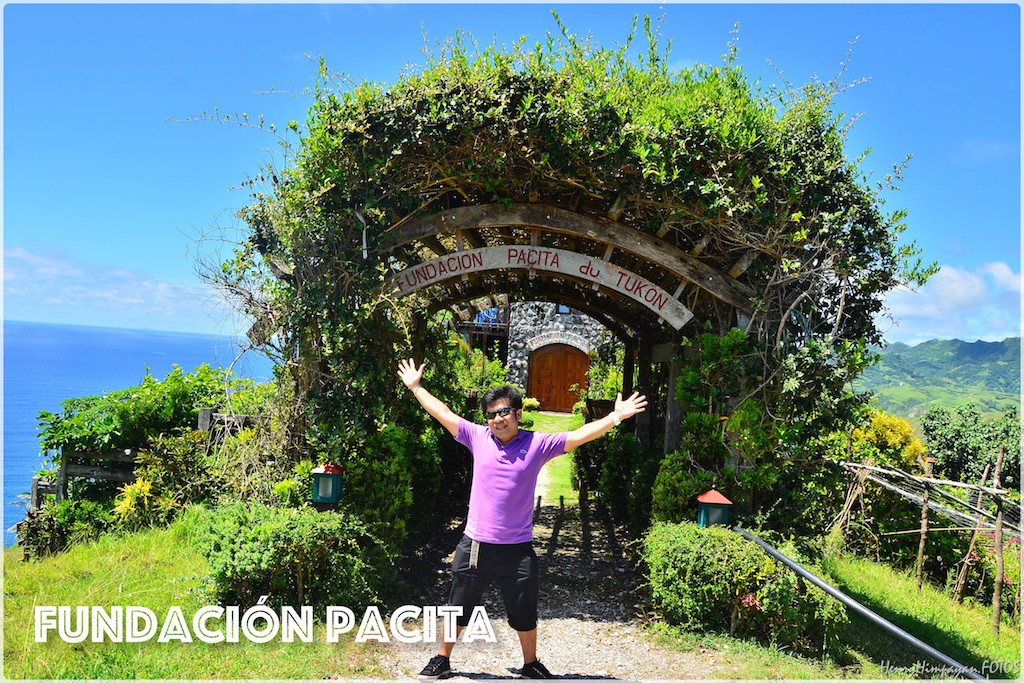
column 945, row 372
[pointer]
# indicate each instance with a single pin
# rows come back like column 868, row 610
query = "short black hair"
column 515, row 399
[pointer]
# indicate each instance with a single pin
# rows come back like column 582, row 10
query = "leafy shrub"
column 138, row 506
column 531, row 403
column 178, row 468
column 56, row 527
column 676, row 489
column 809, row 495
column 379, row 484
column 427, row 476
column 641, row 490
column 714, row 579
column 295, row 556
column 981, row 581
column 132, row 417
column 475, row 373
column 287, row 492
column 247, row 397
column 247, row 465
column 297, row 489
column 964, row 443
column 622, row 472
column 888, row 441
column 684, row 473
column 620, row 452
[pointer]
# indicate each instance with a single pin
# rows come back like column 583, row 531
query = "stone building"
column 545, row 346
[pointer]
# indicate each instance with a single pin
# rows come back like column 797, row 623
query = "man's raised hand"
column 410, row 374
column 631, row 406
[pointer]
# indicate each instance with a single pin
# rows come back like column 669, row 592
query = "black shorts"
column 515, row 569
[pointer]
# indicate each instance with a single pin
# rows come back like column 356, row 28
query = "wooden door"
column 553, row 370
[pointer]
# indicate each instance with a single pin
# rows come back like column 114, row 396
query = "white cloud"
column 957, row 304
column 53, row 287
column 1003, row 276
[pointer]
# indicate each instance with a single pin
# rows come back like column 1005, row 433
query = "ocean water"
column 45, row 364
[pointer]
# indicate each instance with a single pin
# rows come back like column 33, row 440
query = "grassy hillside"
column 961, row 631
column 155, row 569
column 911, row 379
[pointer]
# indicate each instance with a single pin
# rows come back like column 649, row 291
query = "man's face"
column 503, row 426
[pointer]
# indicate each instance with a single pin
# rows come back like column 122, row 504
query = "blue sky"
column 105, row 194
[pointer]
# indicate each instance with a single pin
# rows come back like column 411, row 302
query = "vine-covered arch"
column 737, row 205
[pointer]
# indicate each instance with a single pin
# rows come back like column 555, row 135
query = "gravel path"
column 588, row 601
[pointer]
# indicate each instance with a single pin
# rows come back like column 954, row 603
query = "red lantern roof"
column 328, row 468
column 713, row 497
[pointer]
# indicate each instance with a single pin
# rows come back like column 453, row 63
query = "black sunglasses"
column 504, row 412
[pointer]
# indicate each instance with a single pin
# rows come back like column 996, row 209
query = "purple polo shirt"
column 504, row 481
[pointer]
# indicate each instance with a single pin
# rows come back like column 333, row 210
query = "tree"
column 963, row 444
column 888, row 441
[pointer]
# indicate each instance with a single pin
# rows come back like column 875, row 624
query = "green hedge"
column 713, row 579
column 294, row 556
column 133, row 417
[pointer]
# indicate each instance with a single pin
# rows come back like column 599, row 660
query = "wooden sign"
column 525, row 257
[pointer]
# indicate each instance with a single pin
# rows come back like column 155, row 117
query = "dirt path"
column 588, row 599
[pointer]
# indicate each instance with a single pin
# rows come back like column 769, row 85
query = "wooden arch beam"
column 502, row 261
column 556, row 219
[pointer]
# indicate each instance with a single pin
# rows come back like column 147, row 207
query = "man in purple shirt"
column 498, row 544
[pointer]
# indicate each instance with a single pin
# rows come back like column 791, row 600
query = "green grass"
column 559, row 470
column 744, row 659
column 155, row 569
column 960, row 631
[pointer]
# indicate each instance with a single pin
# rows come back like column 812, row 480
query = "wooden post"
column 644, row 422
column 673, row 409
column 33, row 496
column 62, row 476
column 924, row 529
column 965, row 566
column 997, row 592
column 855, row 489
column 628, row 367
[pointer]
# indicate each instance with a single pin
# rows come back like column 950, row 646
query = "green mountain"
column 908, row 380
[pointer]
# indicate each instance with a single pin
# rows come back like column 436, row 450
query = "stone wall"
column 530, row 319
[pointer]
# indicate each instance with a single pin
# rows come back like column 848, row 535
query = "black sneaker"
column 438, row 667
column 535, row 670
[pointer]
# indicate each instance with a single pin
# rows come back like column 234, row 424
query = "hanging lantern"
column 328, row 480
column 712, row 508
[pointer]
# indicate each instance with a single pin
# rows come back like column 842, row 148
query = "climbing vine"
column 701, row 157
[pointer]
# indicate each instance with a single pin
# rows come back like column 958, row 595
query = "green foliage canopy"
column 963, row 444
column 702, row 157
column 703, row 151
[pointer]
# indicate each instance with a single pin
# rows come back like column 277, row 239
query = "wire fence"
column 949, row 499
